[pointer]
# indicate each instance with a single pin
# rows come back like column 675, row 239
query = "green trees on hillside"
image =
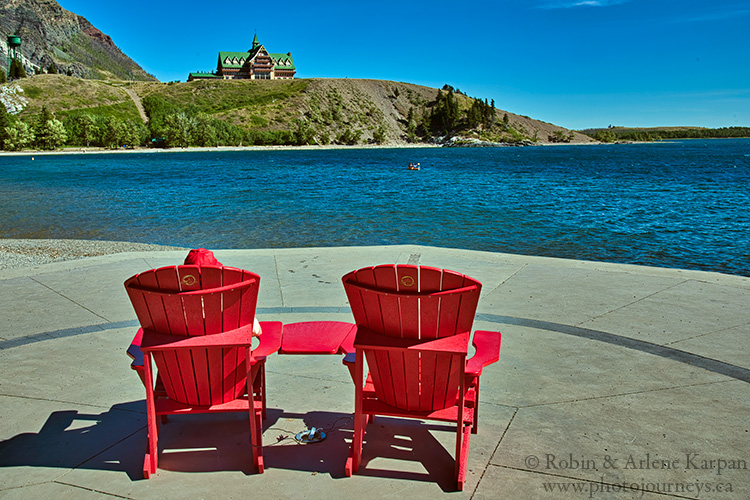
column 452, row 112
column 184, row 127
column 49, row 133
column 304, row 133
column 444, row 115
column 560, row 136
column 87, row 130
column 5, row 123
column 14, row 134
column 481, row 113
column 83, row 130
column 605, row 136
column 79, row 129
column 16, row 70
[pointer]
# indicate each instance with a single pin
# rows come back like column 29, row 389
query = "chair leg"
column 258, row 372
column 360, row 419
column 355, row 452
column 255, row 413
column 256, row 436
column 462, row 454
column 151, row 460
column 262, row 388
column 259, row 441
column 475, row 425
column 463, row 434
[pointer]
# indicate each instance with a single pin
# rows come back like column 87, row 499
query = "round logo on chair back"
column 189, row 280
column 407, row 281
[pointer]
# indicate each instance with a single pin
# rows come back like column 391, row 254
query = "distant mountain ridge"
column 50, row 34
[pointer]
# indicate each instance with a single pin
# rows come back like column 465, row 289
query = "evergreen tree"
column 379, row 135
column 52, row 69
column 444, row 115
column 451, row 111
column 44, row 117
column 3, row 78
column 4, row 117
column 17, row 70
column 304, row 133
column 49, row 133
column 411, row 127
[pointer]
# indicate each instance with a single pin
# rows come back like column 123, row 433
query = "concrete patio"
column 614, row 381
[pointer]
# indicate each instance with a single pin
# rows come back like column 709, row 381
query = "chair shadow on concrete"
column 412, row 451
column 71, row 439
column 328, row 456
column 114, row 440
column 409, row 450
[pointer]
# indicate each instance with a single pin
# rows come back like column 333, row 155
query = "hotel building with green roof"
column 255, row 64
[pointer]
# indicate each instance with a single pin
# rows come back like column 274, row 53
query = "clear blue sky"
column 574, row 63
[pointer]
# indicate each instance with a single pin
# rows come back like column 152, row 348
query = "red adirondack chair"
column 196, row 326
column 413, row 328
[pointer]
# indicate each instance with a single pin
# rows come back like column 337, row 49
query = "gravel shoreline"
column 18, row 253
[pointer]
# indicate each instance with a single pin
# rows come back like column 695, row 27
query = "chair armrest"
column 455, row 344
column 487, row 345
column 134, row 351
column 270, row 339
column 240, row 337
column 347, row 348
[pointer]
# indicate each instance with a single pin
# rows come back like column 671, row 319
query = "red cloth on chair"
column 201, row 257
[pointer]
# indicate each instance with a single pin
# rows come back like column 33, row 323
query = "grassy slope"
column 329, row 106
column 63, row 95
column 268, row 105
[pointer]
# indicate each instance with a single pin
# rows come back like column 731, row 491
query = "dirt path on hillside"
column 138, row 104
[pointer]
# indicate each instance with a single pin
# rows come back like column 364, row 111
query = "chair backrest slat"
column 219, row 299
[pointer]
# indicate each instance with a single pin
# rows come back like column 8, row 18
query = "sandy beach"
column 75, row 151
column 196, row 149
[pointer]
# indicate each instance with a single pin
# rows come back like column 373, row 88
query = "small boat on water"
column 414, row 166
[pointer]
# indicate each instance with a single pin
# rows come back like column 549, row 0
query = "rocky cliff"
column 50, row 34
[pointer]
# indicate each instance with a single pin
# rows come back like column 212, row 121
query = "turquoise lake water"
column 682, row 204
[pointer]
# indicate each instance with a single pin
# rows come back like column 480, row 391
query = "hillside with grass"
column 211, row 113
